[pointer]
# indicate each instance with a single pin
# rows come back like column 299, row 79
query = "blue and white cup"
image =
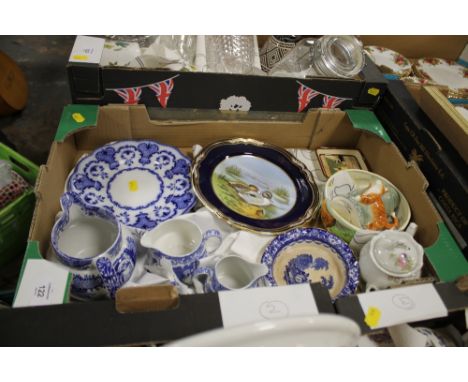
column 229, row 273
column 183, row 243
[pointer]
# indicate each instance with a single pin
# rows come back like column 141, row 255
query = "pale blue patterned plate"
column 142, row 183
column 305, row 255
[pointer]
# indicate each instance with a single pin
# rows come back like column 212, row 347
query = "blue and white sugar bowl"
column 99, row 251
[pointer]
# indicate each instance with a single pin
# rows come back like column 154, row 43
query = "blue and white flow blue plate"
column 142, row 183
column 305, row 255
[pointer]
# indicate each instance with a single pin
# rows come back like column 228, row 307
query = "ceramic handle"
column 411, row 229
column 108, row 275
column 66, row 200
column 208, row 273
column 212, row 233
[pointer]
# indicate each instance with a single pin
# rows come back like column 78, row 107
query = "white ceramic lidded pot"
column 390, row 258
column 98, row 251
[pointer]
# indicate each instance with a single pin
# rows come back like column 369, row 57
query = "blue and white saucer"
column 305, row 255
column 142, row 182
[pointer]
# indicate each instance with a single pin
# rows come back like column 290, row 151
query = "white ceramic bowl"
column 343, row 227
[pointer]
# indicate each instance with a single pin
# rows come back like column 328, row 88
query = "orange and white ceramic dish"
column 444, row 72
column 389, row 61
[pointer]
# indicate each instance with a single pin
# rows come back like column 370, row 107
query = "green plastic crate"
column 15, row 218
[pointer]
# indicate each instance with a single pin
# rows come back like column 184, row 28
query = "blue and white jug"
column 99, row 251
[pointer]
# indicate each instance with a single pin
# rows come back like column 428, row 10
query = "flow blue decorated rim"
column 141, row 182
column 326, row 238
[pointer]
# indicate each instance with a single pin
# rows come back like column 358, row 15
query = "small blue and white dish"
column 141, row 182
column 305, row 255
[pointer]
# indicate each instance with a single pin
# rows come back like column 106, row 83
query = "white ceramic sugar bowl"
column 390, row 258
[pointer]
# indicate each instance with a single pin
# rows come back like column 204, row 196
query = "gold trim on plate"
column 453, row 92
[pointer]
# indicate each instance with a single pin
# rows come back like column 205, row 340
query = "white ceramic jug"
column 229, row 273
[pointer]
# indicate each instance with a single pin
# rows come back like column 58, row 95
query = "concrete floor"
column 30, row 132
column 43, row 60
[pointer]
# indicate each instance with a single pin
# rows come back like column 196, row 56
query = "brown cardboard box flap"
column 447, row 119
column 146, row 298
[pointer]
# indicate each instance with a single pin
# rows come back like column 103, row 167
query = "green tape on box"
column 32, row 252
column 366, row 120
column 76, row 117
column 445, row 256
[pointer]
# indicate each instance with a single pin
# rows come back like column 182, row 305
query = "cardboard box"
column 84, row 128
column 92, row 84
column 437, row 143
column 420, row 140
column 446, row 118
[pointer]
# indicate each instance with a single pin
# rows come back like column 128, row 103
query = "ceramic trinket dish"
column 444, row 72
column 142, row 183
column 99, row 251
column 390, row 258
column 389, row 61
column 305, row 255
column 358, row 204
column 254, row 185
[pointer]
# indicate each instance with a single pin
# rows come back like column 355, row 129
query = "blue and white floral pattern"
column 87, row 286
column 116, row 272
column 165, row 167
column 295, row 271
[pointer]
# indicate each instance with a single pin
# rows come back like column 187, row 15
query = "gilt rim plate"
column 298, row 268
column 444, row 72
column 255, row 186
column 141, row 182
column 389, row 61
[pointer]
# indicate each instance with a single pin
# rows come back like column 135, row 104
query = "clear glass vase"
column 230, row 54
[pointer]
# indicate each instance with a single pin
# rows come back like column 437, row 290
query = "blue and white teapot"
column 99, row 251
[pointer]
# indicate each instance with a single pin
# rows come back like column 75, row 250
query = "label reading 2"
column 261, row 304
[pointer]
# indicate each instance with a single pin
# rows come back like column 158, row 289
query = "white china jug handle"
column 212, row 233
column 109, row 276
column 411, row 229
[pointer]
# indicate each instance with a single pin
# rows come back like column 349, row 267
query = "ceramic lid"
column 397, row 253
